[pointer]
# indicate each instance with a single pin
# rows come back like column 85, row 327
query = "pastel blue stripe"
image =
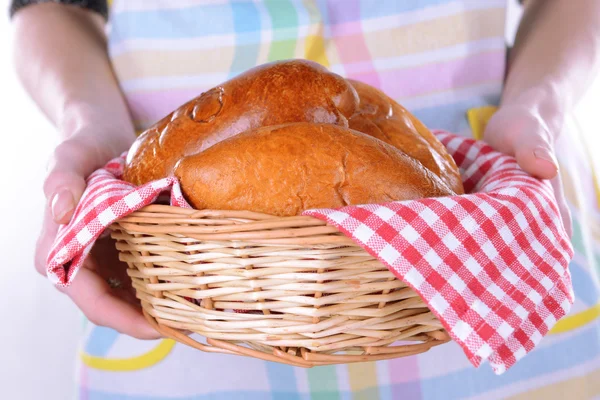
column 407, row 390
column 281, row 379
column 216, row 19
column 164, row 23
column 100, row 341
column 375, row 9
column 580, row 348
column 561, row 356
column 351, row 396
column 247, row 28
column 241, row 395
column 452, row 117
column 385, row 391
column 324, row 13
column 378, row 9
column 584, row 285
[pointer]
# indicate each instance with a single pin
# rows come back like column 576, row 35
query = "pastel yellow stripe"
column 425, row 36
column 146, row 360
column 138, row 64
column 591, row 159
column 576, row 321
column 478, row 118
column 315, row 50
column 571, row 193
column 363, row 376
column 314, row 43
column 597, row 186
column 582, row 387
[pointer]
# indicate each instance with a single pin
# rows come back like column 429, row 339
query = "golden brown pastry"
column 271, row 94
column 286, row 169
column 290, row 135
column 383, row 118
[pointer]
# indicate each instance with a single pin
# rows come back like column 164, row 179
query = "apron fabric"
column 444, row 60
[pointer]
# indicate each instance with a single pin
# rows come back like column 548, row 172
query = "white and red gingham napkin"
column 491, row 264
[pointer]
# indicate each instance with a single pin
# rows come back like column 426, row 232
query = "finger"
column 536, row 157
column 561, row 200
column 94, row 298
column 45, row 242
column 525, row 137
column 71, row 163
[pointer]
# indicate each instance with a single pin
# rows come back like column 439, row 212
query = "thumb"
column 70, row 164
column 526, row 138
column 536, row 157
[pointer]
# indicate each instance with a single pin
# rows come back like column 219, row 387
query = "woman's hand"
column 520, row 131
column 101, row 289
column 62, row 61
column 555, row 56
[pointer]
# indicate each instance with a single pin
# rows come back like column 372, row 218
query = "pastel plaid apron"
column 443, row 60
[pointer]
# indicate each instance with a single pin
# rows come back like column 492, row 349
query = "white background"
column 39, row 328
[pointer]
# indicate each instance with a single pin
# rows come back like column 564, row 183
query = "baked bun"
column 381, row 117
column 271, row 94
column 290, row 135
column 283, row 170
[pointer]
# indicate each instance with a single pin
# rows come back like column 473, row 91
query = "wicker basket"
column 292, row 290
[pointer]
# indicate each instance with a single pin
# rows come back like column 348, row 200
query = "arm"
column 555, row 57
column 61, row 59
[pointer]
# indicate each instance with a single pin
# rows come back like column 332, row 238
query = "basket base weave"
column 306, row 359
column 290, row 290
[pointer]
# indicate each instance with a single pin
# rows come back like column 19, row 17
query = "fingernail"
column 542, row 153
column 62, row 203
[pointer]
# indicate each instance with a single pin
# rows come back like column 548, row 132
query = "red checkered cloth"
column 491, row 264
